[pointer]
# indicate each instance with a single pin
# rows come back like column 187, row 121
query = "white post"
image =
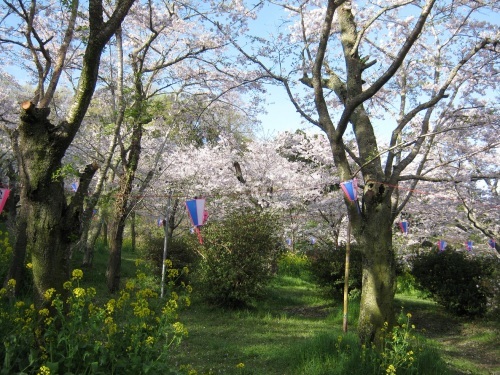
column 346, row 278
column 165, row 242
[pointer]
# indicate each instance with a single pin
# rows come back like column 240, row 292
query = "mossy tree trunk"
column 52, row 223
column 379, row 276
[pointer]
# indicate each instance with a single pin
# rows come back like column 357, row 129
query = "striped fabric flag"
column 442, row 245
column 404, row 227
column 4, row 194
column 350, row 189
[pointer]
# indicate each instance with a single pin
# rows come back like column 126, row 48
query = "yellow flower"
column 110, row 306
column 11, row 283
column 179, row 329
column 408, row 315
column 44, row 370
column 130, row 285
column 29, row 266
column 240, row 365
column 79, row 292
column 19, row 304
column 49, row 293
column 44, row 312
column 173, row 273
column 67, row 285
column 150, row 341
column 77, row 274
column 168, row 263
column 391, row 369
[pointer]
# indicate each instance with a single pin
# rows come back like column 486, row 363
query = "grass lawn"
column 469, row 346
column 273, row 337
column 265, row 339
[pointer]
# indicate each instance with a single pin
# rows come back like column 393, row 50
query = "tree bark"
column 44, row 203
column 121, row 209
column 379, row 276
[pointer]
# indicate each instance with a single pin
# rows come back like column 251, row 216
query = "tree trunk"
column 17, row 264
column 113, row 273
column 121, row 209
column 377, row 296
column 43, row 199
column 132, row 230
column 89, row 242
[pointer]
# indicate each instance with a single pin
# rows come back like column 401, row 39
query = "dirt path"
column 468, row 346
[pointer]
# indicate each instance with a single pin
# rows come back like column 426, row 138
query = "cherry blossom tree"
column 420, row 68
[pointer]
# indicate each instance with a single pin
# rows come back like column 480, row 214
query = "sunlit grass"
column 262, row 337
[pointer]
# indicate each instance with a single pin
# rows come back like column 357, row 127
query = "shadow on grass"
column 469, row 346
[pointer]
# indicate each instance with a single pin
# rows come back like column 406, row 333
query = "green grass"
column 468, row 346
column 293, row 331
column 262, row 338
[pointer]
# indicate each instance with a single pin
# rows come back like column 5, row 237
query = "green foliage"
column 328, row 269
column 293, row 264
column 131, row 334
column 66, row 170
column 455, row 280
column 5, row 253
column 180, row 250
column 240, row 255
column 407, row 284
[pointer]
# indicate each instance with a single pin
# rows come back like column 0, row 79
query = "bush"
column 240, row 255
column 328, row 269
column 180, row 251
column 455, row 280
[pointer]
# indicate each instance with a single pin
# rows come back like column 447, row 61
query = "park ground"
column 265, row 339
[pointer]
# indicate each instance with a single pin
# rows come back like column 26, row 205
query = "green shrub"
column 327, row 265
column 455, row 280
column 180, row 250
column 240, row 255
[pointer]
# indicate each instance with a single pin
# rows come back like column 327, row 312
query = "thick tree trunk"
column 44, row 203
column 379, row 274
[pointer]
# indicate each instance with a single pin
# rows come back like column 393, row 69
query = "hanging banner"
column 404, row 227
column 288, row 241
column 4, row 194
column 469, row 245
column 198, row 214
column 74, row 186
column 196, row 210
column 491, row 241
column 350, row 189
column 442, row 245
column 159, row 222
column 313, row 240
